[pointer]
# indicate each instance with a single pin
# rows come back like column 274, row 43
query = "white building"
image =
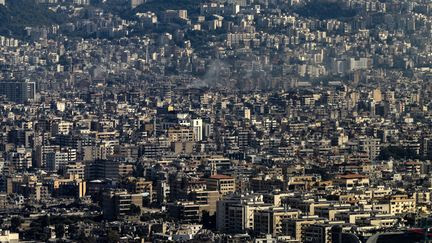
column 7, row 237
column 197, row 125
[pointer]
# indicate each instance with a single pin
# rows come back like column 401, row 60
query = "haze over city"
column 229, row 121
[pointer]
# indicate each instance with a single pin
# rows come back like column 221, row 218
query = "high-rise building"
column 18, row 91
column 197, row 125
column 247, row 113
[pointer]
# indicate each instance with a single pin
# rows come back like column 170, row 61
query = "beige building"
column 182, row 147
column 352, row 180
column 139, row 185
column 402, row 204
column 207, row 198
column 269, row 221
column 315, row 233
column 235, row 214
column 371, row 146
column 222, row 183
column 295, row 227
column 62, row 127
column 301, row 182
column 71, row 184
column 187, row 212
column 351, row 217
column 383, row 221
column 330, row 212
column 118, row 204
column 180, row 134
column 8, row 237
column 308, row 205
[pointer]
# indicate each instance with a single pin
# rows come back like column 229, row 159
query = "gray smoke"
column 215, row 75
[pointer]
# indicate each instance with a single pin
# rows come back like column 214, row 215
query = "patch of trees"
column 159, row 6
column 18, row 14
column 325, row 10
column 397, row 152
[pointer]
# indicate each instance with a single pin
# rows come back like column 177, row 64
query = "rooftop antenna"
column 146, row 42
column 147, row 54
column 154, row 126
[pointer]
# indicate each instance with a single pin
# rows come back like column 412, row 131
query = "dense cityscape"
column 231, row 121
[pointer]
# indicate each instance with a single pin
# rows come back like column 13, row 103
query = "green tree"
column 135, row 210
column 45, row 221
column 59, row 230
column 112, row 236
column 17, row 14
column 209, row 222
column 15, row 223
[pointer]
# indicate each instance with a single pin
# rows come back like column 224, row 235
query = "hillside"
column 17, row 14
column 325, row 10
column 192, row 6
